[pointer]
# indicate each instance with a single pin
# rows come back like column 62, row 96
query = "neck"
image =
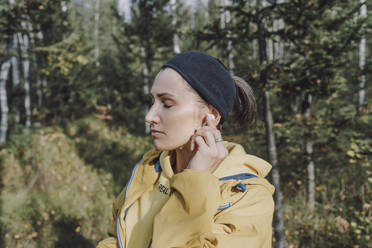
column 181, row 158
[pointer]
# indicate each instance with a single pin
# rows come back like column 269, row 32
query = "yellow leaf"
column 81, row 60
column 350, row 153
column 342, row 225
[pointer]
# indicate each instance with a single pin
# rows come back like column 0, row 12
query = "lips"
column 155, row 132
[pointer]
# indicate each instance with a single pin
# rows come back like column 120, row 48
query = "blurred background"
column 74, row 83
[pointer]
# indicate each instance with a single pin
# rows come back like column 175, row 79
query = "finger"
column 201, row 143
column 192, row 146
column 222, row 151
column 216, row 133
column 219, row 145
column 210, row 140
column 203, row 130
column 208, row 135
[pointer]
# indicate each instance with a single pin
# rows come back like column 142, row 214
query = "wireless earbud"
column 211, row 117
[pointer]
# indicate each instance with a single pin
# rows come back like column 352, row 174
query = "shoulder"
column 239, row 161
column 253, row 196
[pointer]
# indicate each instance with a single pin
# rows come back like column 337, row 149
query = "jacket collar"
column 143, row 178
column 237, row 162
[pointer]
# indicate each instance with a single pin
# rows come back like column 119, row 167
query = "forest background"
column 74, row 84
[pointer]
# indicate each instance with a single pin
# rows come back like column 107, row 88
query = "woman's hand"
column 209, row 153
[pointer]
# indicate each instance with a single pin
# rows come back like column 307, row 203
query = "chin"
column 164, row 146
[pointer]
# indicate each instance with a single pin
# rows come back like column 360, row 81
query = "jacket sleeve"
column 191, row 219
column 111, row 241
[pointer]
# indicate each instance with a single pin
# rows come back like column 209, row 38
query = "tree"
column 362, row 59
column 150, row 40
column 5, row 66
column 24, row 45
column 225, row 21
column 250, row 23
column 96, row 36
column 173, row 9
column 270, row 136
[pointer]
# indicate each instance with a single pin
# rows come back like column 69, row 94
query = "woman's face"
column 175, row 112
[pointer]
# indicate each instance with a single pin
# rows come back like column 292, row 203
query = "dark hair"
column 245, row 107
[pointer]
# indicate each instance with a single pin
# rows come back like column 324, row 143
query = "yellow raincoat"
column 233, row 207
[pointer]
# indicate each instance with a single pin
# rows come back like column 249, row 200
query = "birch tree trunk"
column 270, row 139
column 225, row 21
column 4, row 100
column 362, row 60
column 124, row 7
column 145, row 74
column 15, row 78
column 39, row 84
column 176, row 45
column 309, row 156
column 278, row 45
column 36, row 69
column 96, row 32
column 206, row 13
column 44, row 82
column 24, row 44
column 297, row 104
column 255, row 55
column 279, row 231
column 229, row 43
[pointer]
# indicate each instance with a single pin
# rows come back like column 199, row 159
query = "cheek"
column 183, row 121
column 179, row 126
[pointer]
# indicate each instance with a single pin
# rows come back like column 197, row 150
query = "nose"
column 152, row 117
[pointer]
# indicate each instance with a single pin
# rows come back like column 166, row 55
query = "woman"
column 194, row 189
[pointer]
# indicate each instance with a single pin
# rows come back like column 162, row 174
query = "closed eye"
column 165, row 103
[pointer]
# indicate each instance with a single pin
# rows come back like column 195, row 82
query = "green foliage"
column 57, row 182
column 112, row 150
column 57, row 189
column 71, row 89
column 319, row 38
column 49, row 197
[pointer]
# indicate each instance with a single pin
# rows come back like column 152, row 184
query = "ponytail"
column 245, row 107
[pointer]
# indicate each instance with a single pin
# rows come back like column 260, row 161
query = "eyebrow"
column 163, row 94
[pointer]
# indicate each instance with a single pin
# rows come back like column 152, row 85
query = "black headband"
column 207, row 76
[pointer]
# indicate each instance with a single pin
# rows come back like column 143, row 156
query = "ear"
column 215, row 113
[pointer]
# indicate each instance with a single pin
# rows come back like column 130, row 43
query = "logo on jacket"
column 163, row 189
